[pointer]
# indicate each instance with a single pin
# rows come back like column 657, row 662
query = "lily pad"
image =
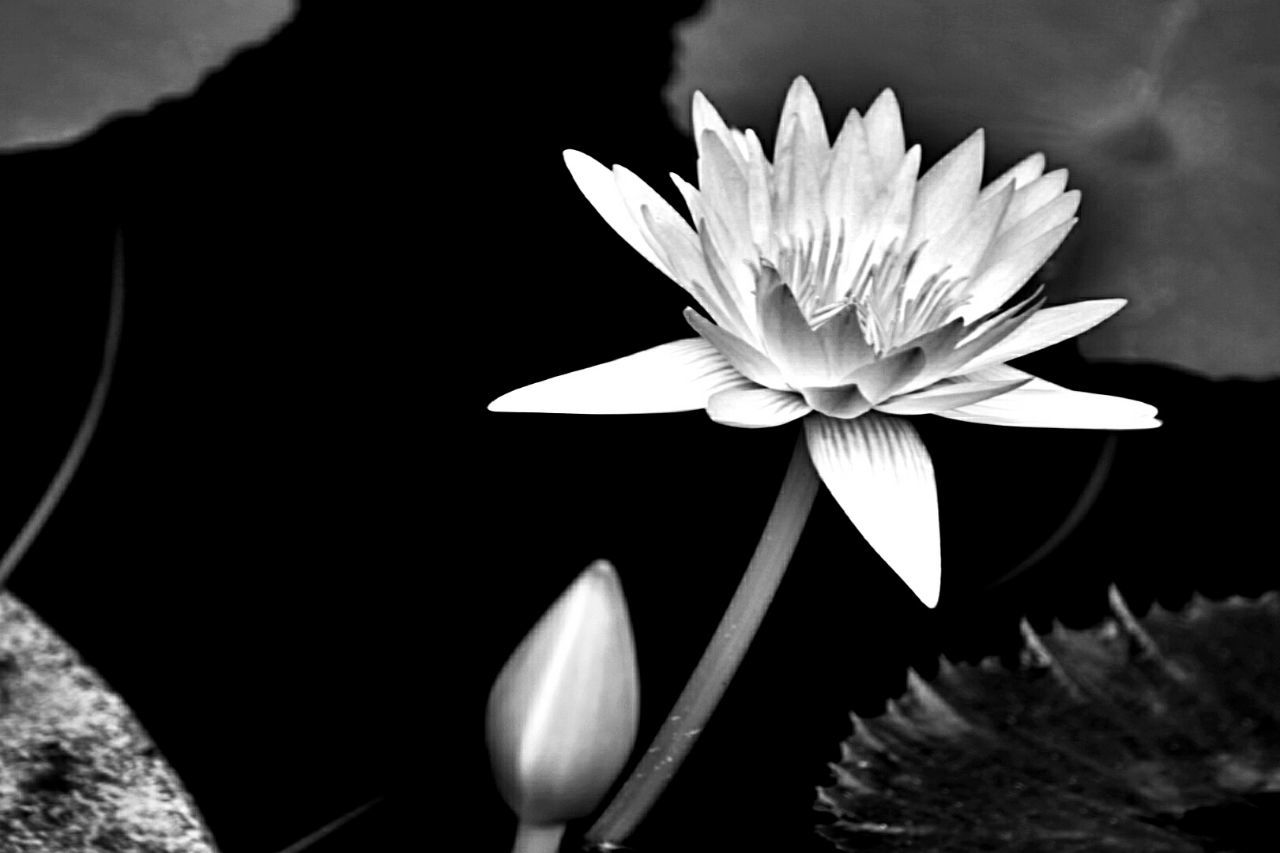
column 1160, row 734
column 77, row 771
column 66, row 67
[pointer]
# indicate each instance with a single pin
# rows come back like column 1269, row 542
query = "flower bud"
column 563, row 713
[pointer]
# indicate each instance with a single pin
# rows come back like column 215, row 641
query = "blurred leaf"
column 67, row 66
column 1159, row 734
column 1164, row 110
column 77, row 772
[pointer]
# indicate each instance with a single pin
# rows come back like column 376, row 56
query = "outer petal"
column 946, row 395
column 1043, row 404
column 883, row 123
column 748, row 360
column 879, row 472
column 598, row 185
column 1006, row 273
column 674, row 377
column 756, row 407
column 1045, row 328
column 1023, row 173
column 948, row 190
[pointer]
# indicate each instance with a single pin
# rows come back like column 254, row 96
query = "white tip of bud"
column 563, row 714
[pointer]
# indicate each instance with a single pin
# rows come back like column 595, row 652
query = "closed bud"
column 563, row 713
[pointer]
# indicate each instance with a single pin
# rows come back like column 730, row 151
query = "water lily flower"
column 563, row 713
column 843, row 288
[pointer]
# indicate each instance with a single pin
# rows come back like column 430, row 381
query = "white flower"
column 845, row 290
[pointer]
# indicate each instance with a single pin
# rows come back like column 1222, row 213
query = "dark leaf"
column 1159, row 734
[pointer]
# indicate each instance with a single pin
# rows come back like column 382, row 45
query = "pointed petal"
column 802, row 104
column 788, row 341
column 851, row 184
column 1035, row 195
column 889, row 219
column 692, row 198
column 759, row 202
column 756, row 407
column 948, row 191
column 748, row 360
column 946, row 395
column 1045, row 219
column 900, row 199
column 964, row 246
column 1039, row 403
column 883, row 122
column 1006, row 275
column 598, row 185
column 1023, row 172
column 843, row 342
column 797, row 177
column 879, row 472
column 724, row 189
column 673, row 377
column 1045, row 328
column 844, row 401
column 887, row 376
column 707, row 120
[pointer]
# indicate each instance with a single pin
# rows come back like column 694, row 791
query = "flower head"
column 563, row 713
column 843, row 288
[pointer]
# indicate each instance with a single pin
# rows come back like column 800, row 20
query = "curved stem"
column 1088, row 496
column 722, row 657
column 538, row 837
column 88, row 425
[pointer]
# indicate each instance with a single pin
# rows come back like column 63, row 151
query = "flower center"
column 894, row 303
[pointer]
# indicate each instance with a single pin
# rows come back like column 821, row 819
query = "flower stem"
column 721, row 658
column 538, row 837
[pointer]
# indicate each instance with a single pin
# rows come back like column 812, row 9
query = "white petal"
column 851, row 182
column 1005, row 275
column 946, row 395
column 802, row 104
column 1043, row 404
column 748, row 360
column 706, row 118
column 879, row 472
column 598, row 185
column 1023, row 173
column 883, row 121
column 948, row 191
column 760, row 203
column 964, row 247
column 1045, row 328
column 724, row 190
column 1035, row 195
column 756, row 407
column 889, row 219
column 798, row 179
column 1061, row 209
column 674, row 377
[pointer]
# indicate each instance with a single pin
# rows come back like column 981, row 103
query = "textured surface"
column 77, row 772
column 1159, row 734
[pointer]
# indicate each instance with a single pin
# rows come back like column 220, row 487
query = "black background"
column 300, row 547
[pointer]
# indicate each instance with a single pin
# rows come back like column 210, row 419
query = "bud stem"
column 538, row 837
column 721, row 659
